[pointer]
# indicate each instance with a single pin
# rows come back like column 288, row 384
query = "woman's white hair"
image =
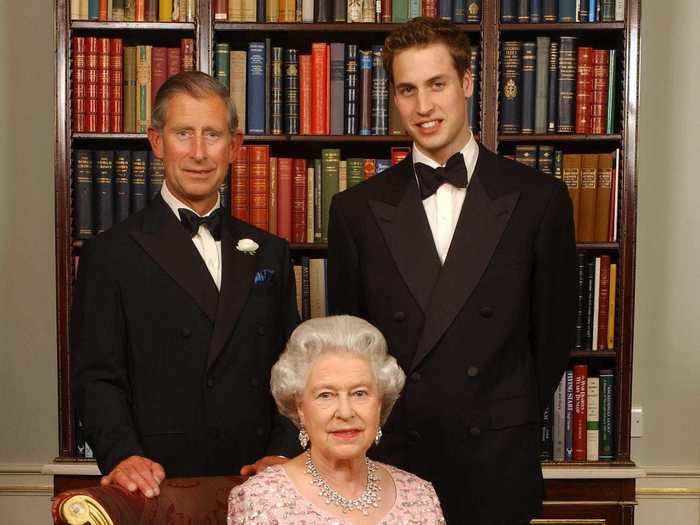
column 342, row 333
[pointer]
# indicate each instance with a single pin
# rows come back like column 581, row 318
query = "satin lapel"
column 237, row 274
column 407, row 234
column 479, row 229
column 164, row 239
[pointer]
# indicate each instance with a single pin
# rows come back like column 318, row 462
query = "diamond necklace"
column 369, row 497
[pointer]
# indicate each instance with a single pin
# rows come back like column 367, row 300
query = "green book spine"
column 129, row 89
column 94, row 10
column 330, row 170
column 607, row 387
column 612, row 80
column 355, row 172
column 399, row 11
column 222, row 64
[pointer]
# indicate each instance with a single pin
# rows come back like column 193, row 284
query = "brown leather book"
column 174, row 62
column 220, row 10
column 584, row 89
column 571, row 175
column 103, row 85
column 430, row 8
column 284, row 198
column 151, row 10
column 259, row 190
column 299, row 196
column 610, row 343
column 589, row 183
column 305, row 94
column 599, row 91
column 140, row 10
column 159, row 70
column 386, row 11
column 78, row 79
column 116, row 85
column 602, row 202
column 103, row 15
column 240, row 185
column 319, row 87
column 187, row 54
column 272, row 205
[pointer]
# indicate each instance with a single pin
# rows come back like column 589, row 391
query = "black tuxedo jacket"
column 483, row 339
column 166, row 366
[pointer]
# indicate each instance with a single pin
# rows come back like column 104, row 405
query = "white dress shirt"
column 208, row 248
column 444, row 206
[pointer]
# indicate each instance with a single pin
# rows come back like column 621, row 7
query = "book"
column 379, row 111
column 612, row 298
column 337, row 88
column 319, row 87
column 606, row 415
column 584, row 89
column 571, row 175
column 528, row 86
column 272, row 205
column 580, row 377
column 317, row 278
column 592, row 418
column 601, row 342
column 240, row 184
column 579, row 340
column 83, row 223
column 259, row 175
column 599, row 91
column 237, row 86
column 305, row 95
column 365, row 92
column 569, row 417
column 139, row 175
column 122, row 185
column 559, row 420
column 508, row 11
column 299, row 199
column 255, row 89
column 542, row 83
column 603, row 197
column 156, row 175
column 330, row 167
column 567, row 11
column 567, row 84
column 143, row 88
column 351, row 93
column 553, row 89
column 276, row 79
column 104, row 190
column 511, row 100
column 159, row 70
column 291, row 92
column 585, row 227
column 285, row 189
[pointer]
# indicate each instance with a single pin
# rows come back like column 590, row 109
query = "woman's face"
column 340, row 406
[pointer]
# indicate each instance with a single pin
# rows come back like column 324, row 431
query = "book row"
column 134, row 10
column 592, row 181
column 113, row 87
column 546, row 11
column 335, row 89
column 342, row 11
column 596, row 302
column 287, row 197
column 557, row 87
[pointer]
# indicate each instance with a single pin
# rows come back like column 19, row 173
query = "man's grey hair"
column 342, row 333
column 197, row 85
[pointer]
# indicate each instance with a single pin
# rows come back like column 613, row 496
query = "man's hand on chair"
column 137, row 473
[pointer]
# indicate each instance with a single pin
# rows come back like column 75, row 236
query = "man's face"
column 430, row 97
column 196, row 147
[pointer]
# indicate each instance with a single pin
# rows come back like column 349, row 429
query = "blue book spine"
column 94, row 10
column 445, row 9
column 383, row 164
column 458, row 14
column 592, row 10
column 535, row 11
column 569, row 425
column 255, row 88
column 567, row 10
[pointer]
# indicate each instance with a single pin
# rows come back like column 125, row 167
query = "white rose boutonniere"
column 248, row 246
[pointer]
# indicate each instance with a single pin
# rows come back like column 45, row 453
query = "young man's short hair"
column 422, row 32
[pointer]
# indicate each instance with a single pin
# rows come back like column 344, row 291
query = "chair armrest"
column 181, row 500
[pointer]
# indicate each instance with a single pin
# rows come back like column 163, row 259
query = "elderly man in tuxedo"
column 180, row 311
column 465, row 261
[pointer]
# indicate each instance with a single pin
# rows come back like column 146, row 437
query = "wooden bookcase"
column 574, row 490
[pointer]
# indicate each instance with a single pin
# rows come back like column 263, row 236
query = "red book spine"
column 240, row 185
column 386, row 11
column 187, row 54
column 305, row 94
column 102, row 94
column 159, row 70
column 398, row 154
column 174, row 62
column 580, row 412
column 369, row 168
column 151, row 10
column 103, row 16
column 259, row 189
column 599, row 102
column 116, row 85
column 284, row 198
column 78, row 79
column 430, row 8
column 327, row 98
column 140, row 10
column 90, row 84
column 603, row 303
column 584, row 89
column 220, row 10
column 319, row 92
column 299, row 198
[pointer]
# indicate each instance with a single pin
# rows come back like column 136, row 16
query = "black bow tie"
column 191, row 222
column 430, row 179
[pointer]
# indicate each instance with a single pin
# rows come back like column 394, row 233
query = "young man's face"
column 196, row 147
column 430, row 97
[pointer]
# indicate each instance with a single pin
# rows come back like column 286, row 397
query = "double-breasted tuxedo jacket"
column 168, row 367
column 483, row 338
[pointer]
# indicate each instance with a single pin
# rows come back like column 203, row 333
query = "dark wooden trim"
column 132, row 26
column 594, row 354
column 204, row 43
column 565, row 27
column 64, row 262
column 321, row 28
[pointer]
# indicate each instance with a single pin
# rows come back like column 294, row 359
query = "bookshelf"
column 569, row 481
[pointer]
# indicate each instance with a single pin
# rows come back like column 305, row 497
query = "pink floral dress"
column 270, row 498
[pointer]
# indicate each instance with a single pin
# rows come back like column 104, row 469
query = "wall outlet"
column 637, row 426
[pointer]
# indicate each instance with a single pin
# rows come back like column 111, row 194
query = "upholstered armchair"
column 183, row 501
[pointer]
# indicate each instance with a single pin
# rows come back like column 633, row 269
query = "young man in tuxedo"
column 180, row 311
column 465, row 261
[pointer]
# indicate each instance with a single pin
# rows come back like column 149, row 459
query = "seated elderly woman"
column 337, row 383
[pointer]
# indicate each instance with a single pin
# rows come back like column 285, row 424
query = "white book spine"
column 307, row 11
column 592, row 418
column 559, row 420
